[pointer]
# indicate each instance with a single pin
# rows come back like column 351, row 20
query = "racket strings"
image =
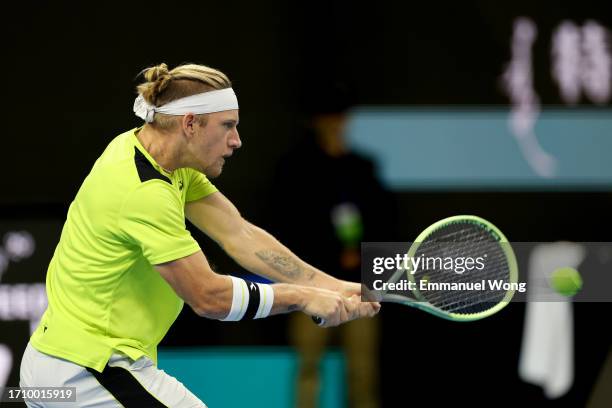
column 454, row 300
column 451, row 230
column 496, row 263
column 463, row 241
column 451, row 277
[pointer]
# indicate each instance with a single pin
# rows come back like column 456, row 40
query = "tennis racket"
column 461, row 236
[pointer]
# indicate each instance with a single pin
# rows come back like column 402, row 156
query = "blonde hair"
column 163, row 86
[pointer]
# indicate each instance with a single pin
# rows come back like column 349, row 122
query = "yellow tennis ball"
column 566, row 281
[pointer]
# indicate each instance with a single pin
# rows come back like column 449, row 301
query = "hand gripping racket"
column 462, row 236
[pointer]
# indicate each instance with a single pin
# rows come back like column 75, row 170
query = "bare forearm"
column 264, row 255
column 288, row 298
column 217, row 302
column 330, row 306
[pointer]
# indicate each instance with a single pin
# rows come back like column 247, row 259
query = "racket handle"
column 319, row 321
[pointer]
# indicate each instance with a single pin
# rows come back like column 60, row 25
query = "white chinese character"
column 582, row 62
column 518, row 82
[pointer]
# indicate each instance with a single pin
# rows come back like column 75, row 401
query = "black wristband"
column 253, row 300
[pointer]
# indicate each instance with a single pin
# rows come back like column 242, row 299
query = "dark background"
column 68, row 89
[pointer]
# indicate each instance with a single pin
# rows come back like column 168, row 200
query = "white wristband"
column 250, row 299
column 266, row 300
column 240, row 300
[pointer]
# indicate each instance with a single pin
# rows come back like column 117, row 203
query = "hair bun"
column 152, row 74
column 158, row 78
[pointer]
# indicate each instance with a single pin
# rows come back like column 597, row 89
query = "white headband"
column 207, row 102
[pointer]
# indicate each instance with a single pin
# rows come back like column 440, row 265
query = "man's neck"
column 161, row 147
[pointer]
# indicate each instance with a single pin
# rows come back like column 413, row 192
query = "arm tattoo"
column 285, row 264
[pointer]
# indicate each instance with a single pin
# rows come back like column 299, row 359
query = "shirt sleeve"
column 152, row 218
column 199, row 186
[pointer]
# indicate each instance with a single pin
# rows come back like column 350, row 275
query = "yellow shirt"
column 104, row 294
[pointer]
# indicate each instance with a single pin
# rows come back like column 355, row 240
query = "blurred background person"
column 334, row 194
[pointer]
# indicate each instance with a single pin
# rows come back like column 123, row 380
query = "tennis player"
column 126, row 263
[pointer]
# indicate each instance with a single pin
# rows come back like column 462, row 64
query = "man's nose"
column 235, row 141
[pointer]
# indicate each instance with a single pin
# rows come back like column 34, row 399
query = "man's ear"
column 188, row 121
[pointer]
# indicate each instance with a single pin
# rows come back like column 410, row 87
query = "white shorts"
column 123, row 383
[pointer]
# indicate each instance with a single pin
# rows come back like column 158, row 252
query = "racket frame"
column 422, row 304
